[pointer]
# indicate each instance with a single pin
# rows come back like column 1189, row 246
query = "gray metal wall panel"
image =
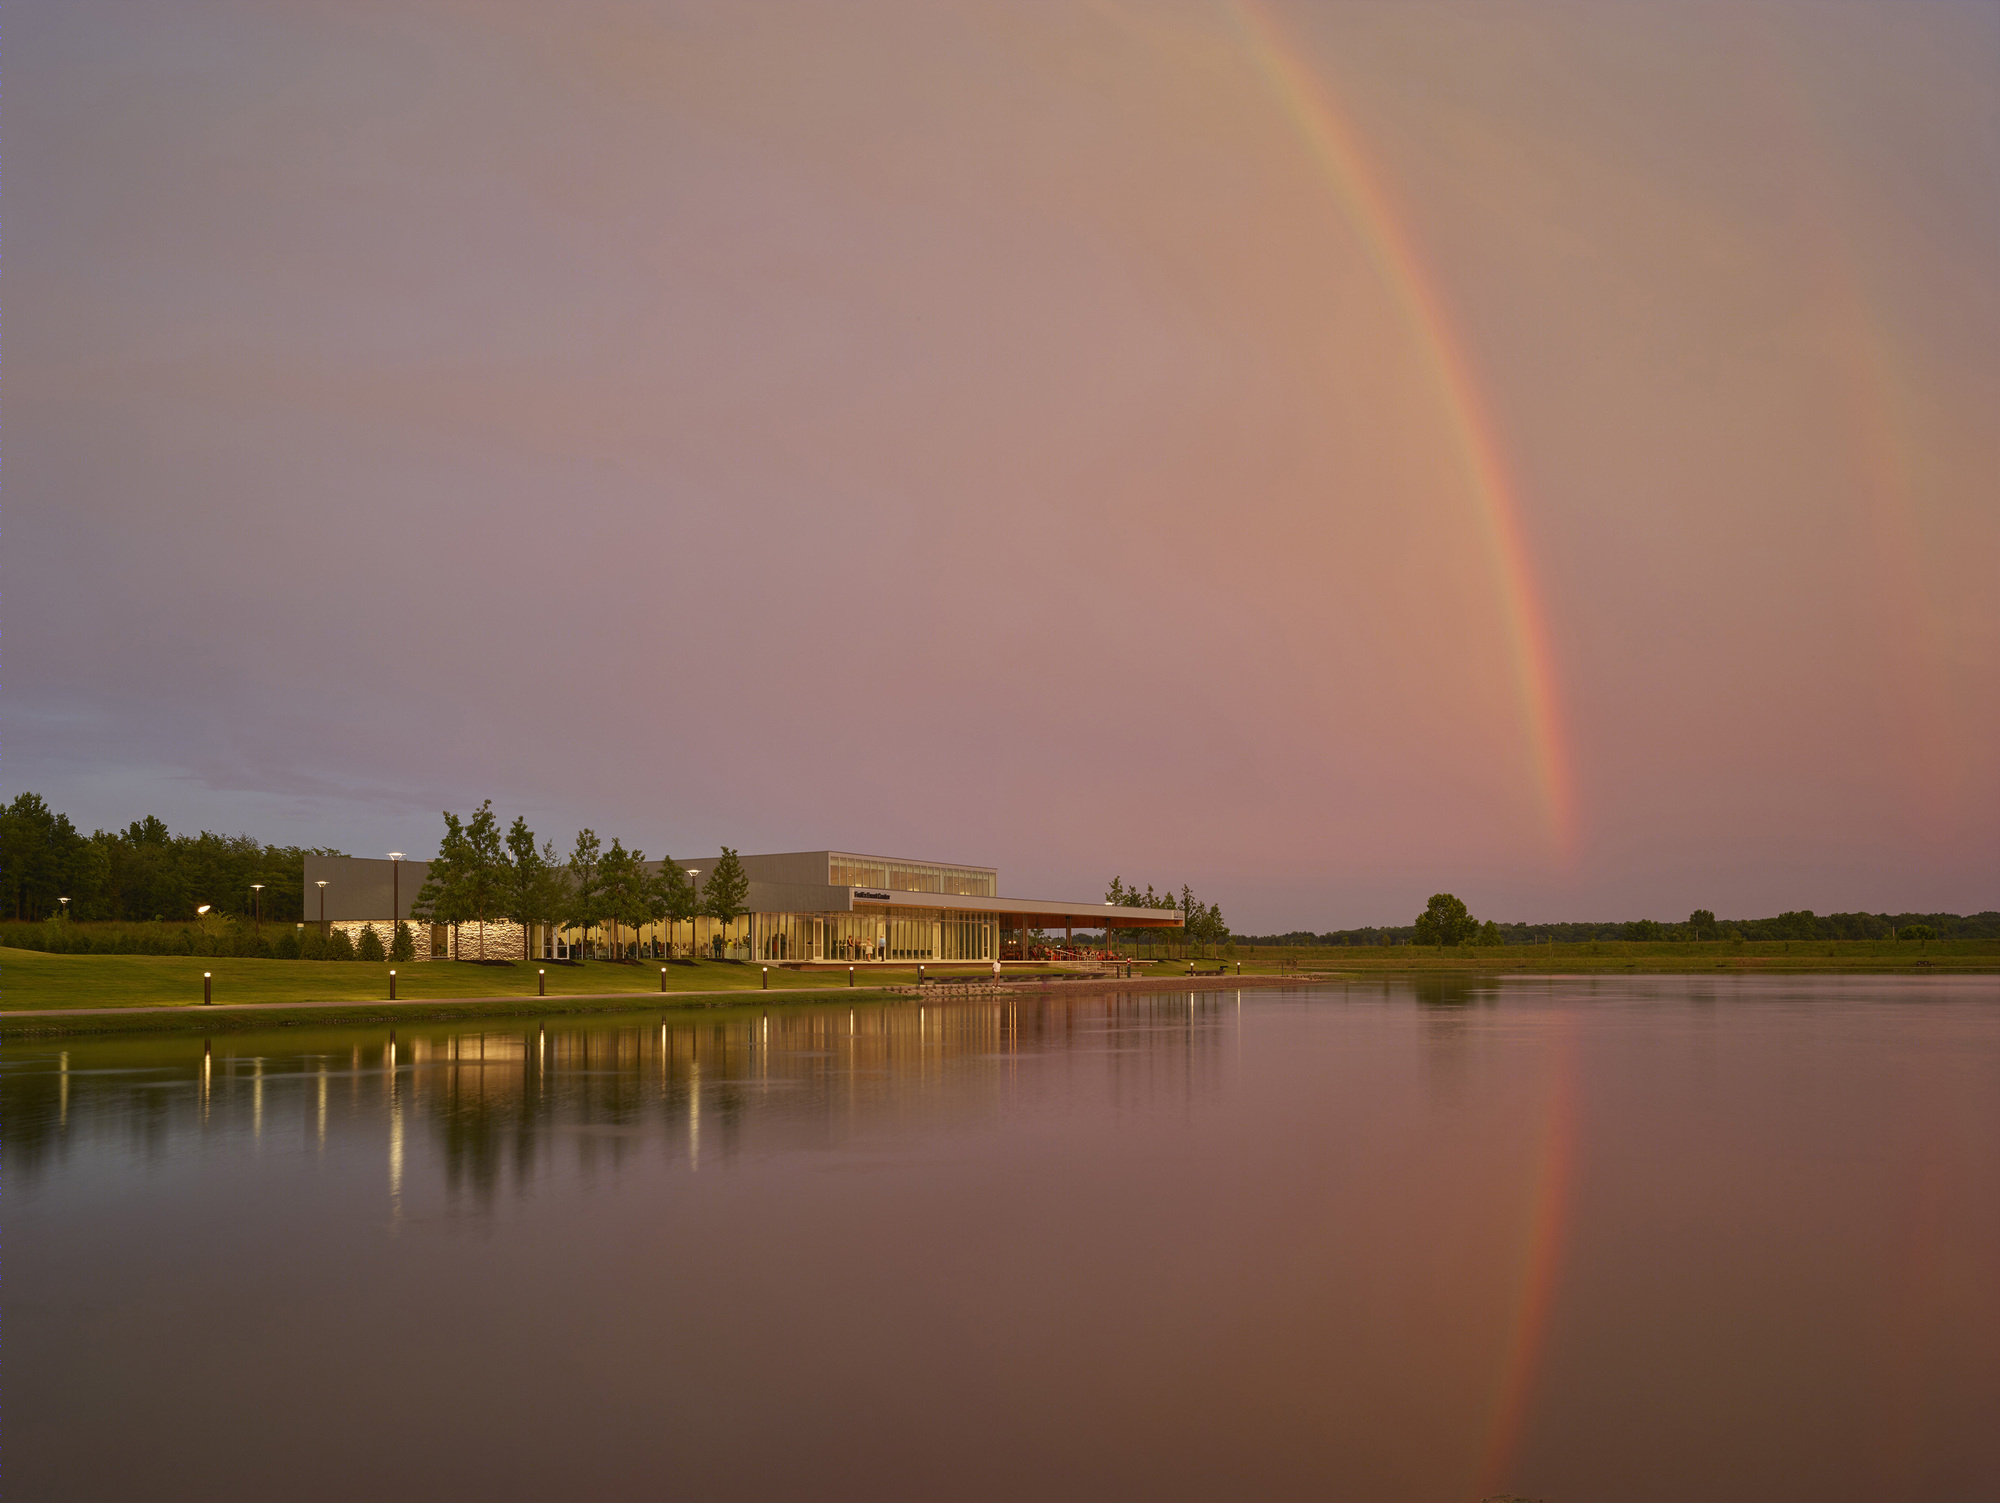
column 358, row 888
column 798, row 868
column 796, row 897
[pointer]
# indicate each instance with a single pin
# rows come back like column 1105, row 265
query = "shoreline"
column 242, row 1017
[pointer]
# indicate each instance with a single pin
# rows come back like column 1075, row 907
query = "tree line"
column 1201, row 923
column 211, row 883
column 1448, row 925
column 140, row 872
column 480, row 876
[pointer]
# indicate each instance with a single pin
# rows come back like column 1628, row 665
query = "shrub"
column 405, row 944
column 312, row 944
column 286, row 945
column 339, row 946
column 370, row 947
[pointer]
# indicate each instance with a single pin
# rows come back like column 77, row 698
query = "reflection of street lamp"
column 322, row 906
column 257, row 903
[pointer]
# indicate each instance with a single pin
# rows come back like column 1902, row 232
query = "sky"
column 1321, row 454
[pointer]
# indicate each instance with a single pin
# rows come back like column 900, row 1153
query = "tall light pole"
column 694, row 887
column 65, row 907
column 396, row 896
column 322, row 908
column 257, row 904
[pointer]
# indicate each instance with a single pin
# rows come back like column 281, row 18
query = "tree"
column 1916, row 931
column 1445, row 921
column 1489, row 934
column 534, row 885
column 404, row 946
column 674, row 894
column 1701, row 921
column 628, row 895
column 485, row 872
column 1200, row 922
column 586, row 892
column 370, row 947
column 339, row 946
column 444, row 898
column 726, row 890
column 1121, row 896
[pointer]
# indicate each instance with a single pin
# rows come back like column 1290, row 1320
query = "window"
column 910, row 876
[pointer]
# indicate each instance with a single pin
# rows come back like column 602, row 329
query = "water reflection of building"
column 788, row 1080
column 699, row 1088
column 805, row 908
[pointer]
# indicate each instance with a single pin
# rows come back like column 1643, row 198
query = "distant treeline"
column 140, row 872
column 1800, row 924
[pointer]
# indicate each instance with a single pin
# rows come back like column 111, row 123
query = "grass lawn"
column 32, row 979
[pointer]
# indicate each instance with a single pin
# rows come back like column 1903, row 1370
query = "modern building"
column 805, row 908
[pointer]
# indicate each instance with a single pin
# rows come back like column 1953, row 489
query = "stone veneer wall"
column 503, row 939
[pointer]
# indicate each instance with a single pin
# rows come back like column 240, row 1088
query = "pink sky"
column 1026, row 435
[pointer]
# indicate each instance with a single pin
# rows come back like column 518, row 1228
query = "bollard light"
column 850, row 975
column 207, row 996
column 767, row 978
column 541, row 983
column 392, row 986
column 663, row 978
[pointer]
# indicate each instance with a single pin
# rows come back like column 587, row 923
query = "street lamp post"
column 257, row 904
column 396, row 896
column 65, row 906
column 694, row 889
column 322, row 908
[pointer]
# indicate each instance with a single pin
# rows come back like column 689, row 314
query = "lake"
column 1600, row 1238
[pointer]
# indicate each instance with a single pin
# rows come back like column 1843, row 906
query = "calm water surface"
column 1594, row 1239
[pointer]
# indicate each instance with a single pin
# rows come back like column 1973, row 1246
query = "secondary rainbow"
column 1368, row 208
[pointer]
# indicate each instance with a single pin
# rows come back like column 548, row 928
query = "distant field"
column 1618, row 955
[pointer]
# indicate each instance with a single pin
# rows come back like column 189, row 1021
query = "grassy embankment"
column 30, row 979
column 354, row 991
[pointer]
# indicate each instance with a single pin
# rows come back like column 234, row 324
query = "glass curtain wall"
column 849, row 936
column 912, row 934
column 905, row 876
column 787, row 936
column 966, row 936
column 702, row 937
column 900, row 934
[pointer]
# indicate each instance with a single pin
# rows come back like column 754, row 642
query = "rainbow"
column 1369, row 210
column 1873, row 394
column 1543, row 1239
